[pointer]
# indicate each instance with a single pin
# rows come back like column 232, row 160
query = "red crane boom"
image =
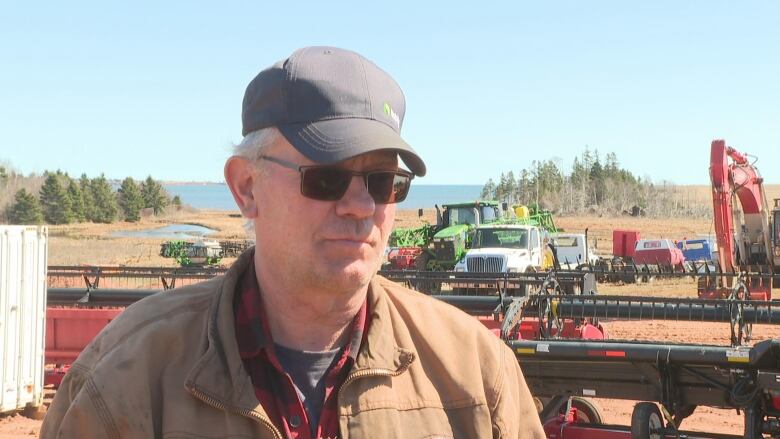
column 743, row 235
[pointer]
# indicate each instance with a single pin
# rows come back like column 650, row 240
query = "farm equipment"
column 699, row 249
column 82, row 300
column 200, row 252
column 534, row 216
column 635, row 259
column 747, row 241
column 573, row 250
column 560, row 342
column 678, row 376
column 440, row 246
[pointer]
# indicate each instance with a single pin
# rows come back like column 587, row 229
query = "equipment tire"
column 646, row 420
column 587, row 411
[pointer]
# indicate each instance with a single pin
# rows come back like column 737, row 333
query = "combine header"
column 560, row 342
column 678, row 376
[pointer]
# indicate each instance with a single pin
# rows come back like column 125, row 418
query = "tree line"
column 64, row 200
column 595, row 185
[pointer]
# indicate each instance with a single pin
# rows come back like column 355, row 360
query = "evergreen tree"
column 55, row 201
column 154, row 195
column 524, row 187
column 176, row 202
column 580, row 175
column 25, row 209
column 3, row 176
column 76, row 201
column 130, row 200
column 488, row 190
column 599, row 185
column 104, row 208
column 86, row 197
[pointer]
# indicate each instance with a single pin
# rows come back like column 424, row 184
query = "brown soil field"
column 92, row 244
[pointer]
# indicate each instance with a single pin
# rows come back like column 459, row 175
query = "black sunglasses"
column 330, row 183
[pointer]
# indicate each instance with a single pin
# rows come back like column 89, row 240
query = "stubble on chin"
column 336, row 275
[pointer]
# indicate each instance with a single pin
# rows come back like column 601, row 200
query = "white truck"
column 573, row 250
column 502, row 248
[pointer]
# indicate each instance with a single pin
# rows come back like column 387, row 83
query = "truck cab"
column 573, row 250
column 503, row 248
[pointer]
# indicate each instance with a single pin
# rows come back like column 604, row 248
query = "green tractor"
column 441, row 246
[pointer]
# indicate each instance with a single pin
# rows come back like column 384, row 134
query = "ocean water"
column 217, row 196
column 171, row 231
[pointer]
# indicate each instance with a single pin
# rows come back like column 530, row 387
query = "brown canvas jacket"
column 168, row 367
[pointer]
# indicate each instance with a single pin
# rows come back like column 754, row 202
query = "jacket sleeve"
column 514, row 412
column 77, row 410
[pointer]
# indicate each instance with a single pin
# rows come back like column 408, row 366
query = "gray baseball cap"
column 331, row 104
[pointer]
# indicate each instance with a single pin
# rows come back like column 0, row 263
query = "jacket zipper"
column 248, row 413
column 375, row 372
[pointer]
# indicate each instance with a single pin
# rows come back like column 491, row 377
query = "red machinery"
column 68, row 332
column 745, row 241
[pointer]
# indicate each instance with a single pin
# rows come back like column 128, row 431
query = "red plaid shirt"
column 273, row 386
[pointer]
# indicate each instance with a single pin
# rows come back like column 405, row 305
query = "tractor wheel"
column 646, row 421
column 587, row 411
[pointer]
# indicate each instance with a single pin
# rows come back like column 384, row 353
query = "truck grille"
column 485, row 264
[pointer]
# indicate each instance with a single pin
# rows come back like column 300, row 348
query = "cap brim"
column 335, row 140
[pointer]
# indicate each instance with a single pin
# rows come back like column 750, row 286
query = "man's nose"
column 356, row 202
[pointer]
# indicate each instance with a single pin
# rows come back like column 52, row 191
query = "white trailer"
column 22, row 316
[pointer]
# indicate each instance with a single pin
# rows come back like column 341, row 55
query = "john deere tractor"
column 441, row 246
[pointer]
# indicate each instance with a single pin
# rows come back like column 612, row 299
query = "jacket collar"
column 220, row 374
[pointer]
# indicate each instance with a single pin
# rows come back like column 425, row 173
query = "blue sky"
column 139, row 88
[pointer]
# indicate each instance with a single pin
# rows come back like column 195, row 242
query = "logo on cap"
column 393, row 115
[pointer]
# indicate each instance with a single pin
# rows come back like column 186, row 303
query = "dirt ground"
column 16, row 426
column 90, row 244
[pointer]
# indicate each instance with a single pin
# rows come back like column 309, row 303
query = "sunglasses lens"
column 325, row 183
column 387, row 187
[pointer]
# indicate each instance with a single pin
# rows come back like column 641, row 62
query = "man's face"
column 336, row 245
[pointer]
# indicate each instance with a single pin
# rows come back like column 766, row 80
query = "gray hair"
column 250, row 148
column 254, row 143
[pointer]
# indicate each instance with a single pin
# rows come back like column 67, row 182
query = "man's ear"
column 240, row 176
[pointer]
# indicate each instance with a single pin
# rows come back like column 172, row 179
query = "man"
column 300, row 338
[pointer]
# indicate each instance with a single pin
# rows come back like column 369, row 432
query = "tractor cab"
column 458, row 222
column 473, row 214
